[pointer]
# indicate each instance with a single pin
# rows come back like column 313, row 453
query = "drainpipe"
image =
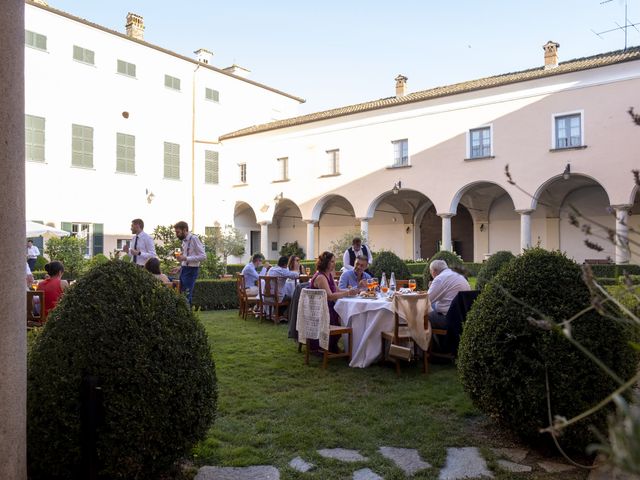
column 193, row 150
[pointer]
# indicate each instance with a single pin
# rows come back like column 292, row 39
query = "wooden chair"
column 401, row 334
column 36, row 313
column 270, row 302
column 456, row 316
column 402, row 284
column 244, row 300
column 313, row 323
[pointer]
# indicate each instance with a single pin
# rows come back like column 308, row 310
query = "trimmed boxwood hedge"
column 388, row 262
column 492, row 266
column 151, row 358
column 503, row 357
column 453, row 261
column 612, row 271
column 215, row 294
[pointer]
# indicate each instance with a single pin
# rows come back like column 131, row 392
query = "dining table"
column 368, row 318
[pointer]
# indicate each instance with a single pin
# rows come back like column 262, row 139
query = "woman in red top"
column 53, row 286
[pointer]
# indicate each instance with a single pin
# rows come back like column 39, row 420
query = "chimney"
column 237, row 70
column 401, row 85
column 203, row 55
column 550, row 54
column 135, row 26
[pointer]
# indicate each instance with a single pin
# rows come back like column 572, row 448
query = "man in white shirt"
column 251, row 274
column 443, row 289
column 282, row 272
column 32, row 254
column 356, row 250
column 142, row 247
column 190, row 258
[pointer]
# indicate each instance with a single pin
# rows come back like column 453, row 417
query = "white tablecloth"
column 368, row 319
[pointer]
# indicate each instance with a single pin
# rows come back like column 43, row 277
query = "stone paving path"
column 461, row 463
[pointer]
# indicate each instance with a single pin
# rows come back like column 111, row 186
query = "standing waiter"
column 354, row 251
column 190, row 257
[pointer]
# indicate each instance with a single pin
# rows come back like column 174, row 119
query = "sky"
column 335, row 53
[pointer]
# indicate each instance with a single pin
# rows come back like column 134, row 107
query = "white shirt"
column 444, row 289
column 145, row 245
column 193, row 249
column 33, row 252
column 346, row 259
column 282, row 273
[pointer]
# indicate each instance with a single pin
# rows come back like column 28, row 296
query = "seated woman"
column 153, row 266
column 294, row 266
column 323, row 279
column 54, row 286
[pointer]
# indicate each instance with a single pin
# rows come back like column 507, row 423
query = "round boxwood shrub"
column 492, row 266
column 388, row 262
column 453, row 262
column 151, row 358
column 503, row 357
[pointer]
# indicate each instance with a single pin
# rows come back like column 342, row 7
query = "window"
column 480, row 142
column 126, row 153
column 211, row 94
column 81, row 146
column 211, row 167
column 333, row 166
column 282, row 172
column 83, row 230
column 400, row 153
column 126, row 68
column 172, row 82
column 243, row 172
column 34, row 138
column 83, row 55
column 171, row 160
column 121, row 242
column 568, row 131
column 35, row 40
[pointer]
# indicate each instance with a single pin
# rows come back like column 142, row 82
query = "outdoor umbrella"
column 40, row 230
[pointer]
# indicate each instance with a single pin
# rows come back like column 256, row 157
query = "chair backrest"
column 402, row 284
column 36, row 312
column 313, row 316
column 268, row 290
column 240, row 286
column 414, row 309
column 459, row 308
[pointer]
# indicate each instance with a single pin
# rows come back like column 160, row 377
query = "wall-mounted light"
column 150, row 195
column 396, row 187
column 482, row 227
column 567, row 172
column 408, row 229
column 278, row 198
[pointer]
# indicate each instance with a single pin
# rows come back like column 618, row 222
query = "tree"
column 289, row 249
column 68, row 250
column 338, row 247
column 166, row 235
column 225, row 242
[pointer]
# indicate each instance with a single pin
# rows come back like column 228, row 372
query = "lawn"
column 272, row 408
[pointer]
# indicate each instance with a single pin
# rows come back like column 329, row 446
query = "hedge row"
column 215, row 294
column 613, row 271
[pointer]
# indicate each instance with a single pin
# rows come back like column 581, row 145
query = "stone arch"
column 287, row 225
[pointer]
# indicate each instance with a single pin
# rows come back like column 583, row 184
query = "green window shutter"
column 171, row 160
column 125, row 153
column 82, row 146
column 167, row 81
column 77, row 53
column 66, row 226
column 211, row 167
column 34, row 138
column 211, row 94
column 98, row 238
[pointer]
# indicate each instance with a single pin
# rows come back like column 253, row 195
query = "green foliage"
column 96, row 260
column 70, row 251
column 503, row 357
column 492, row 266
column 338, row 247
column 211, row 267
column 629, row 297
column 389, row 262
column 292, row 248
column 166, row 235
column 226, row 242
column 40, row 263
column 151, row 357
column 611, row 270
column 215, row 294
column 453, row 261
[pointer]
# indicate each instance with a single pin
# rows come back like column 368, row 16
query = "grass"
column 272, row 407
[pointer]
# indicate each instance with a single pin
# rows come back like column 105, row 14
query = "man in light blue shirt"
column 250, row 272
column 282, row 272
column 357, row 277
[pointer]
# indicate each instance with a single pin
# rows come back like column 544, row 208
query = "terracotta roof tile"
column 575, row 65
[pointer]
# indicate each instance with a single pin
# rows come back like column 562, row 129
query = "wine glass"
column 177, row 251
column 34, row 285
column 412, row 284
column 370, row 284
column 308, row 270
column 384, row 288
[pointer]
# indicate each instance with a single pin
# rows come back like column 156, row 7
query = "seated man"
column 442, row 290
column 357, row 277
column 282, row 272
column 250, row 272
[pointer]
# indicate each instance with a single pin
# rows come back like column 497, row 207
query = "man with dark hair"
column 190, row 257
column 250, row 272
column 356, row 278
column 282, row 272
column 32, row 254
column 142, row 247
column 354, row 251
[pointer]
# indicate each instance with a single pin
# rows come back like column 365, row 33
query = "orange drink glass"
column 412, row 285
